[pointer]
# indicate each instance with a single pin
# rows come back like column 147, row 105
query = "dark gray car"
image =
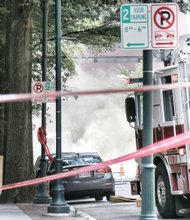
column 94, row 184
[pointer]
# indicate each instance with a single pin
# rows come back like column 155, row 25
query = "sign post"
column 42, row 196
column 147, row 27
column 58, row 204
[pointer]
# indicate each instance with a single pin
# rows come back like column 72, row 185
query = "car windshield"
column 81, row 160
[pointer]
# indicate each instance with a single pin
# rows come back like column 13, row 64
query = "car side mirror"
column 130, row 109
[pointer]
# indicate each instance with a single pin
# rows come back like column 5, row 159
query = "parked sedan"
column 94, row 184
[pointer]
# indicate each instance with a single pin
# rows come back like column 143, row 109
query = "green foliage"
column 90, row 23
column 95, row 24
column 184, row 6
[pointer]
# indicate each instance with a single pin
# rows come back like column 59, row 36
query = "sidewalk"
column 12, row 212
column 32, row 211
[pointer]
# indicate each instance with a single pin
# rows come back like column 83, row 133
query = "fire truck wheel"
column 165, row 202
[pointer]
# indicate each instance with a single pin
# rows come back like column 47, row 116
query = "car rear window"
column 81, row 160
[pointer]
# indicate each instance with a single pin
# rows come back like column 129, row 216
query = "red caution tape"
column 151, row 149
column 51, row 95
column 41, row 133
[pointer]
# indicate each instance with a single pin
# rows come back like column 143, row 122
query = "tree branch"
column 78, row 32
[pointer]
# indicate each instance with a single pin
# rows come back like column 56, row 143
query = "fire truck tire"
column 165, row 202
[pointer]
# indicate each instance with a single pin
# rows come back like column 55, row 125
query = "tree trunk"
column 3, row 75
column 19, row 152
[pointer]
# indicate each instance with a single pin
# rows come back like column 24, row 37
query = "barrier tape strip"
column 28, row 96
column 151, row 149
column 163, row 145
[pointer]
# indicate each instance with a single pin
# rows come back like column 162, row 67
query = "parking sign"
column 164, row 29
column 134, row 29
column 149, row 26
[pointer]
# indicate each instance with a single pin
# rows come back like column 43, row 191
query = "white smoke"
column 96, row 123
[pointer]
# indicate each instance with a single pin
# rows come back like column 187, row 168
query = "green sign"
column 50, row 86
column 134, row 26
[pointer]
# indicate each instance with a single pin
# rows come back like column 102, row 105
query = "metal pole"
column 42, row 196
column 58, row 204
column 148, row 209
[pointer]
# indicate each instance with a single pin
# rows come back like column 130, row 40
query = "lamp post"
column 58, row 204
column 42, row 196
column 148, row 210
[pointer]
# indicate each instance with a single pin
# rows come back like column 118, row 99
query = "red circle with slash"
column 38, row 87
column 163, row 19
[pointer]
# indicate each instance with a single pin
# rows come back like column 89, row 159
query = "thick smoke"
column 96, row 123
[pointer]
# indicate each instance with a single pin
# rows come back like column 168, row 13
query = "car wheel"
column 99, row 198
column 165, row 202
column 109, row 195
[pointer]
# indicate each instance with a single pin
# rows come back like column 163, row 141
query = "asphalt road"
column 104, row 210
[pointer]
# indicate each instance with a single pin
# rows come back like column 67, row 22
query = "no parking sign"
column 164, row 29
column 42, row 88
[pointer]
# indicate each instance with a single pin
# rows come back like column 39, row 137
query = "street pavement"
column 12, row 211
column 78, row 211
column 32, row 211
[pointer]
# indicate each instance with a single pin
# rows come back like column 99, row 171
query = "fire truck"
column 171, row 116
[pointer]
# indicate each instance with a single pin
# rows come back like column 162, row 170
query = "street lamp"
column 42, row 196
column 58, row 204
column 148, row 168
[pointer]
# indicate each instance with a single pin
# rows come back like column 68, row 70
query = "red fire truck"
column 171, row 116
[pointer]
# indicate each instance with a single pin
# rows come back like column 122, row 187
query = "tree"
column 91, row 23
column 3, row 75
column 18, row 151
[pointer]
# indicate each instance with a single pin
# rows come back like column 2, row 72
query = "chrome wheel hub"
column 161, row 191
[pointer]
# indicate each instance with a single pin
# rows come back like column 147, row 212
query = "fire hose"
column 41, row 134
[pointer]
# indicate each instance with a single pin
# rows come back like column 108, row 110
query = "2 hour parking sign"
column 149, row 26
column 135, row 32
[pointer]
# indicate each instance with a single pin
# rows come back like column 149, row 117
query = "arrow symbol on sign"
column 165, row 43
column 134, row 44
